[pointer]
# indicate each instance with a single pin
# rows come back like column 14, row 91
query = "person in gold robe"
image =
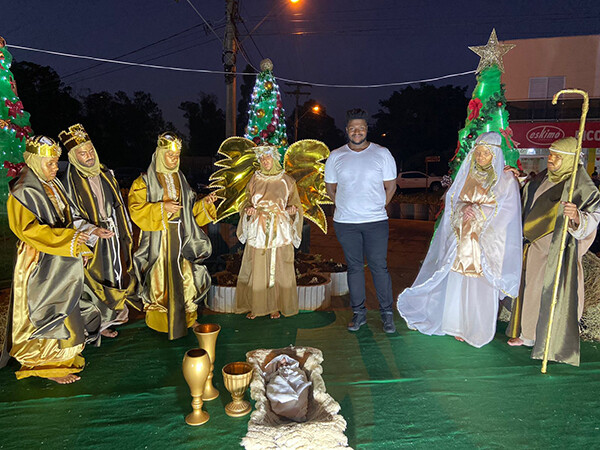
column 50, row 322
column 168, row 263
column 471, row 264
column 545, row 214
column 93, row 188
column 271, row 226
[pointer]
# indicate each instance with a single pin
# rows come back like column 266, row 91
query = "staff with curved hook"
column 563, row 237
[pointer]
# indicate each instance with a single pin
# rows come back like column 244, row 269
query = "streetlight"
column 315, row 110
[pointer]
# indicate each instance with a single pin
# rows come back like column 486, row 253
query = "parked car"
column 418, row 180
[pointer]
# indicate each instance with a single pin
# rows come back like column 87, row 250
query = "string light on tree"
column 266, row 116
column 487, row 108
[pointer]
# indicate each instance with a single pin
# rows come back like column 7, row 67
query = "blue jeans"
column 370, row 241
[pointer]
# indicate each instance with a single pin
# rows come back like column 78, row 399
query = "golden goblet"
column 207, row 339
column 196, row 365
column 237, row 376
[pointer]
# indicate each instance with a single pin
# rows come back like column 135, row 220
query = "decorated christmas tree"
column 487, row 107
column 14, row 123
column 266, row 117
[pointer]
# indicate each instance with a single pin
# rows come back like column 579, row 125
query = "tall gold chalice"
column 207, row 339
column 196, row 365
column 237, row 376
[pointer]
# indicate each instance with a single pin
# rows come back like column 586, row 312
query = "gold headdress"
column 42, row 146
column 74, row 136
column 169, row 141
column 302, row 161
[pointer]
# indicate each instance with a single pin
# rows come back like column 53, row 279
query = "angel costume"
column 471, row 263
column 267, row 280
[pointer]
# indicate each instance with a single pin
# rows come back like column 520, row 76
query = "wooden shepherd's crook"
column 563, row 237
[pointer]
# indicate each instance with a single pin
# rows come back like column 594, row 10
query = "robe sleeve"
column 588, row 222
column 146, row 215
column 294, row 200
column 242, row 228
column 204, row 212
column 46, row 239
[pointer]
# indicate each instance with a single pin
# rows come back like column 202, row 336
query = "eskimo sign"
column 544, row 135
column 541, row 135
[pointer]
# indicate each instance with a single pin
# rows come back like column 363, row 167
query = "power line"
column 220, row 72
column 205, row 21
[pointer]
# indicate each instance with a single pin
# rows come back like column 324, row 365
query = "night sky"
column 324, row 41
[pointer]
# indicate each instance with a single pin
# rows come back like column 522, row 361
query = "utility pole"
column 229, row 56
column 297, row 93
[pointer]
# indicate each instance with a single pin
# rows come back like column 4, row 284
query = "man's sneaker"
column 358, row 320
column 388, row 322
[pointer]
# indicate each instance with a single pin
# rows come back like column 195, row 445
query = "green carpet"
column 404, row 390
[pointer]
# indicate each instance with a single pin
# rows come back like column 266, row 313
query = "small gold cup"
column 207, row 333
column 196, row 365
column 237, row 376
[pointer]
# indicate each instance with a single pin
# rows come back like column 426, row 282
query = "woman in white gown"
column 474, row 259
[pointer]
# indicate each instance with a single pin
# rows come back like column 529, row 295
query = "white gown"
column 460, row 295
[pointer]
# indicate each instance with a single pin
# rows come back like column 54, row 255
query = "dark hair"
column 356, row 113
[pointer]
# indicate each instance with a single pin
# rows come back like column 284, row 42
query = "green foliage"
column 489, row 94
column 266, row 124
column 15, row 126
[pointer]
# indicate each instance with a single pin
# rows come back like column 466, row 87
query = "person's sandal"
column 275, row 315
column 250, row 316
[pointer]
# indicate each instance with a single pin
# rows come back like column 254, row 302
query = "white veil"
column 500, row 238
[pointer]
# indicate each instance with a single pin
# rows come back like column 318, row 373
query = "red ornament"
column 14, row 109
column 13, row 169
column 474, row 106
column 264, row 134
column 499, row 104
column 256, row 140
column 271, row 128
column 470, row 136
column 279, row 104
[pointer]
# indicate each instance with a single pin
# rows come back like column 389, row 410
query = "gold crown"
column 170, row 141
column 74, row 136
column 42, row 146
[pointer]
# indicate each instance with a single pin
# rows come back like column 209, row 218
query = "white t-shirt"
column 360, row 195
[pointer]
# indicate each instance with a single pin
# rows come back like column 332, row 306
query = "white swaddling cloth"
column 287, row 388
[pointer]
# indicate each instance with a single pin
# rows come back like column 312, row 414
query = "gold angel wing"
column 237, row 167
column 303, row 162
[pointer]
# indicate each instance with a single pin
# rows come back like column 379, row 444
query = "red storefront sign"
column 542, row 134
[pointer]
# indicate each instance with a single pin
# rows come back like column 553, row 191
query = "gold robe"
column 46, row 358
column 169, row 281
column 468, row 248
column 267, row 280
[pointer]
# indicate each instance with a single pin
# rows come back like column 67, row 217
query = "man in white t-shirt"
column 361, row 180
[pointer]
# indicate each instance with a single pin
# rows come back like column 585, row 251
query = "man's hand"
column 514, row 171
column 82, row 238
column 103, row 233
column 210, row 198
column 570, row 211
column 86, row 259
column 250, row 211
column 292, row 209
column 171, row 206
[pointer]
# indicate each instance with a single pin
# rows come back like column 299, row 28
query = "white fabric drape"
column 442, row 301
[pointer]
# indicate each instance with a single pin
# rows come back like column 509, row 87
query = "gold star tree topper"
column 491, row 53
